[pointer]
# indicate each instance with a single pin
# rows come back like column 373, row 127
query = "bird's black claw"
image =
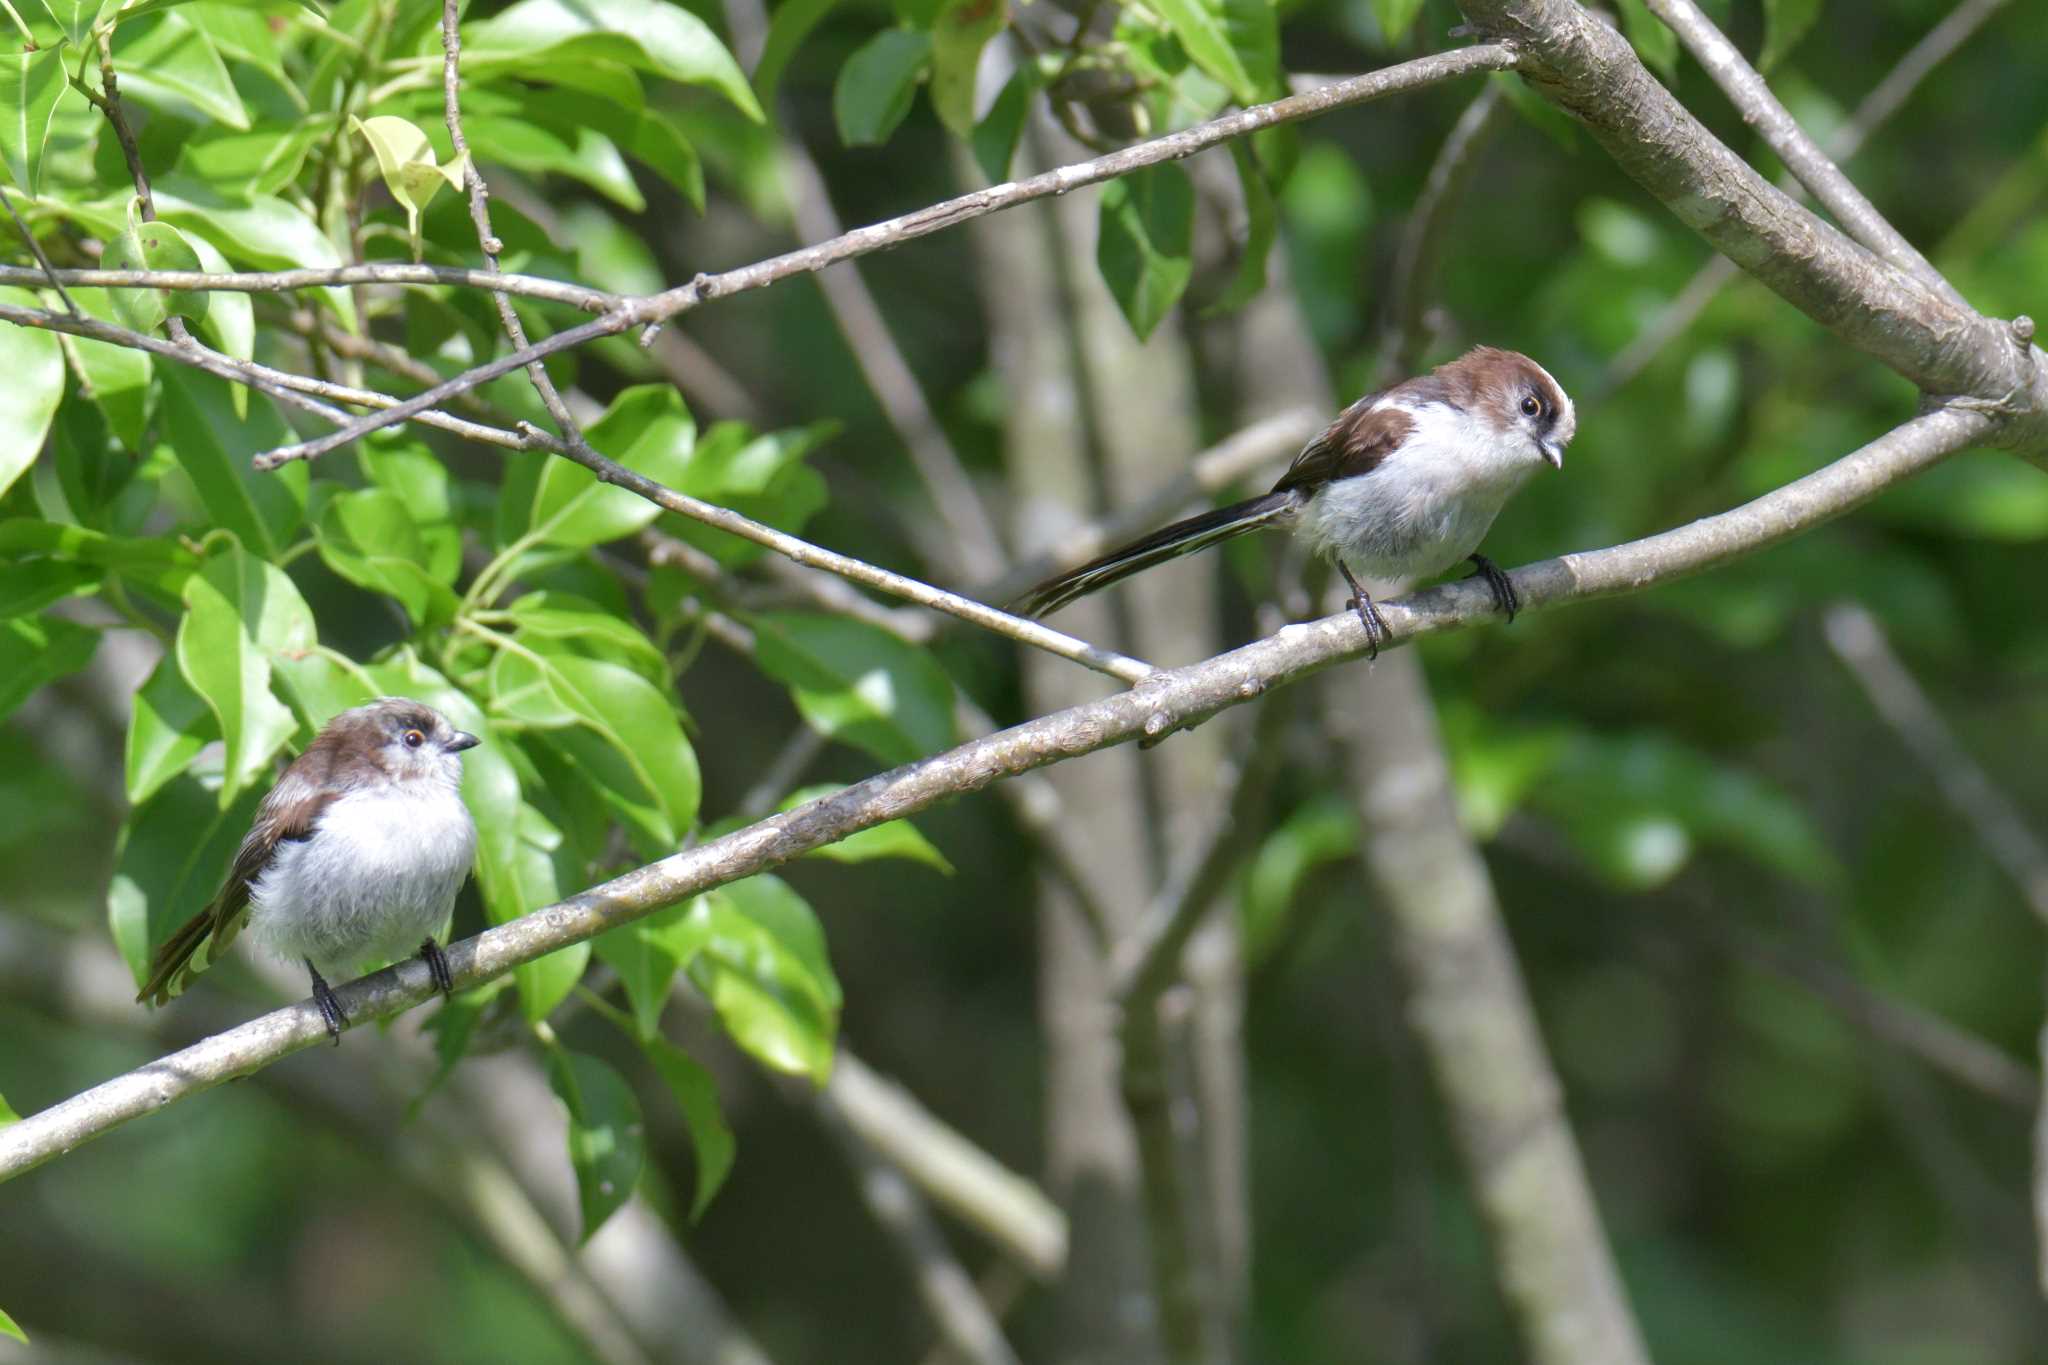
column 331, row 1012
column 1504, row 595
column 1376, row 632
column 437, row 967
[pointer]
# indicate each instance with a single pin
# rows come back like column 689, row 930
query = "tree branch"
column 1161, row 703
column 1589, row 69
column 640, row 312
column 579, row 296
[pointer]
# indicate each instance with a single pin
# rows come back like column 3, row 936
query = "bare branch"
column 1877, row 107
column 1393, row 80
column 1803, row 157
column 1589, row 69
column 578, row 296
column 1164, row 702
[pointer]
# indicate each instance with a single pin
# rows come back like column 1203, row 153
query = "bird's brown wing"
column 288, row 812
column 1354, row 444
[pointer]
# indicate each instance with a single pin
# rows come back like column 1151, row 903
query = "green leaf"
column 536, row 35
column 648, row 430
column 169, row 861
column 169, row 63
column 858, row 683
column 75, row 17
column 33, row 362
column 1319, row 832
column 1201, row 31
column 606, row 1139
column 214, row 446
column 793, row 22
column 875, row 87
column 369, row 538
column 1786, row 22
column 1253, row 27
column 406, row 161
column 154, row 246
column 760, row 960
column 583, row 154
column 238, row 611
column 1142, row 243
column 646, row 955
column 577, row 625
column 242, row 33
column 26, row 589
column 30, row 83
column 995, row 137
column 116, row 378
column 962, row 30
column 8, row 1328
column 36, row 651
column 261, row 162
column 697, row 1097
column 890, row 839
column 1262, row 226
column 727, row 464
column 7, row 1114
column 160, row 562
column 169, row 725
column 1653, row 42
column 1395, row 17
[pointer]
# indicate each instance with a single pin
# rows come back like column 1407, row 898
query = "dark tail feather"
column 168, row 965
column 1183, row 537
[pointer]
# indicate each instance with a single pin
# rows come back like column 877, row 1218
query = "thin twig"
column 578, row 296
column 1167, row 701
column 635, row 313
column 49, row 272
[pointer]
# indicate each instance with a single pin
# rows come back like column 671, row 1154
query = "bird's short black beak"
column 462, row 740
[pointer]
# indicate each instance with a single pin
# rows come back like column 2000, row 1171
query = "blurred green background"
column 1692, row 812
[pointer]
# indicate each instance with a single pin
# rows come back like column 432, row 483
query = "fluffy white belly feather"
column 378, row 876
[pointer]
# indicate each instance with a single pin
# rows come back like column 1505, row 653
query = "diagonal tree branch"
column 580, row 296
column 633, row 313
column 1162, row 703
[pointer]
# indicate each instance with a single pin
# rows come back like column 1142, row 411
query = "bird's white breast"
column 377, row 875
column 1427, row 505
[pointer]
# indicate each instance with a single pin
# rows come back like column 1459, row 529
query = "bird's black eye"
column 1531, row 405
column 413, row 739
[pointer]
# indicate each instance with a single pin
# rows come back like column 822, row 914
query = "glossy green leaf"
column 115, row 378
column 1786, row 22
column 214, row 445
column 241, row 33
column 760, row 961
column 858, row 683
column 1653, row 42
column 890, row 839
column 261, row 162
column 319, row 686
column 369, row 538
column 877, row 84
column 646, row 957
column 578, row 625
column 1395, row 17
column 172, row 854
column 1201, row 31
column 607, row 1143
column 75, row 18
column 1142, row 246
column 7, row 1114
column 791, row 24
column 168, row 726
column 238, row 610
column 406, row 160
column 167, row 62
column 162, row 563
column 639, row 723
column 695, row 1094
column 257, row 231
column 962, row 30
column 36, row 651
column 26, row 589
column 729, row 463
column 648, row 430
column 534, row 35
column 583, row 154
column 30, row 83
column 1253, row 29
column 9, row 1328
column 34, row 365
column 154, row 246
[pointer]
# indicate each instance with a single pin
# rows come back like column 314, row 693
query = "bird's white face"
column 410, row 742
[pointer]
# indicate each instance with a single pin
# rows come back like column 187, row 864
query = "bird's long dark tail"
column 1171, row 542
column 167, row 970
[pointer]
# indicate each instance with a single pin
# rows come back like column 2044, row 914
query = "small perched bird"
column 1404, row 484
column 355, row 856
